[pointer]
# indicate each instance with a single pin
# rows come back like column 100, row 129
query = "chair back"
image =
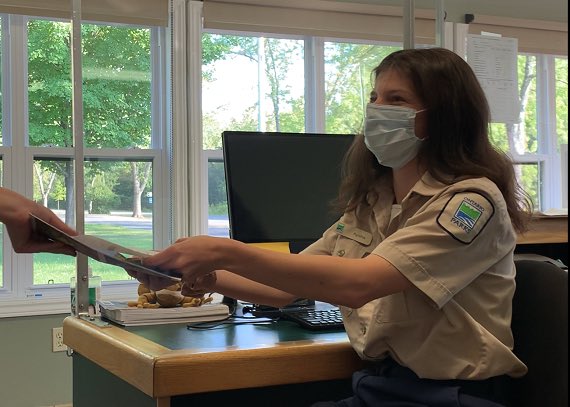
column 540, row 330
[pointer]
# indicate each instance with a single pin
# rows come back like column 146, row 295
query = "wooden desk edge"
column 161, row 372
column 122, row 353
column 177, row 374
column 546, row 229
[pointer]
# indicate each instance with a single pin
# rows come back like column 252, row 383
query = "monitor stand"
column 295, row 247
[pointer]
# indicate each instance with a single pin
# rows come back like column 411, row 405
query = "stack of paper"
column 120, row 313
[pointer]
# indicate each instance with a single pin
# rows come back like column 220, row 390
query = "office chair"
column 540, row 330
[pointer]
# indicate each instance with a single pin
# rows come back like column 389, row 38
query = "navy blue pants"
column 390, row 385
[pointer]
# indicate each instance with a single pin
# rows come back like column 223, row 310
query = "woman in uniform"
column 421, row 263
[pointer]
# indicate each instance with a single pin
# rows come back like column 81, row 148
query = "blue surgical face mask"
column 389, row 134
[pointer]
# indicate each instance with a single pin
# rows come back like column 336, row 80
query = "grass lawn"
column 56, row 269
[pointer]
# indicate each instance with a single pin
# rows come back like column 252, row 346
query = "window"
column 266, row 73
column 336, row 81
column 1, row 235
column 260, row 82
column 126, row 168
column 248, row 83
column 561, row 101
column 1, row 156
column 348, row 82
column 534, row 142
column 292, row 65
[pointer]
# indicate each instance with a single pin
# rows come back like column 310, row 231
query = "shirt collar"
column 427, row 185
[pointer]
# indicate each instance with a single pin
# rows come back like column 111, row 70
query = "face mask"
column 389, row 134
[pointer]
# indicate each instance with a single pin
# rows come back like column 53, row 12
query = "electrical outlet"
column 57, row 340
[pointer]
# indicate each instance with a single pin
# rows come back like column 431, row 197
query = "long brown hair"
column 458, row 142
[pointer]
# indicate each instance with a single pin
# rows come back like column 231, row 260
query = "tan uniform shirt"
column 455, row 243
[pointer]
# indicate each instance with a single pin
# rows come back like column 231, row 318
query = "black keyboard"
column 314, row 319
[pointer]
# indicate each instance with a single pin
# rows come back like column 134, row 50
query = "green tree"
column 116, row 91
column 140, row 174
column 45, row 180
column 521, row 137
column 58, row 192
column 274, row 56
column 278, row 55
column 216, row 184
column 99, row 192
column 348, row 70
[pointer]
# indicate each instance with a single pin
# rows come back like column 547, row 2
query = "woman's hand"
column 201, row 286
column 193, row 258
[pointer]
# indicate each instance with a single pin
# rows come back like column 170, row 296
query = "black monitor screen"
column 280, row 185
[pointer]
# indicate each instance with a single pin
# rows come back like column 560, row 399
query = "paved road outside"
column 218, row 225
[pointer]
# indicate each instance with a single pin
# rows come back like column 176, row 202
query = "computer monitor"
column 280, row 185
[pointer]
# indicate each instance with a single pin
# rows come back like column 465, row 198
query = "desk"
column 546, row 229
column 546, row 235
column 169, row 365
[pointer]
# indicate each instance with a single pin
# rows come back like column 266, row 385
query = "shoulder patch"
column 465, row 215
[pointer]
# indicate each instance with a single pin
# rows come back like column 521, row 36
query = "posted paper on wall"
column 494, row 61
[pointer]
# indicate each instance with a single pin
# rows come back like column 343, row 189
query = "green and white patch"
column 465, row 215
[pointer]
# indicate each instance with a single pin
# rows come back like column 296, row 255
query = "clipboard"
column 101, row 250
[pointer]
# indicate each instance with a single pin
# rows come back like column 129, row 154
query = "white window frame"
column 547, row 156
column 314, row 111
column 18, row 295
column 315, row 120
column 551, row 196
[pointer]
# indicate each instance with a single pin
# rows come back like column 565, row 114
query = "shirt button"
column 340, row 253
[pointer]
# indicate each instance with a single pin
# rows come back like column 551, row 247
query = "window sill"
column 60, row 303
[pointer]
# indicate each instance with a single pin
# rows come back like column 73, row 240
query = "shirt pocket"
column 350, row 248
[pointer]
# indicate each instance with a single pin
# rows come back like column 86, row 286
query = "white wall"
column 552, row 10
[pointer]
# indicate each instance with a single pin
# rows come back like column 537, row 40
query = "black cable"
column 260, row 315
column 231, row 320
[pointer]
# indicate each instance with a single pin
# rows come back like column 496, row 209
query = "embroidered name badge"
column 465, row 215
column 359, row 235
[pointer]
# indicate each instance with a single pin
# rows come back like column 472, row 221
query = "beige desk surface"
column 546, row 229
column 259, row 357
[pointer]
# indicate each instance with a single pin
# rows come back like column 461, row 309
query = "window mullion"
column 9, row 268
column 198, row 176
column 180, row 166
column 159, row 131
column 546, row 127
column 21, row 174
column 20, row 151
column 6, row 80
column 17, row 135
column 314, row 85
